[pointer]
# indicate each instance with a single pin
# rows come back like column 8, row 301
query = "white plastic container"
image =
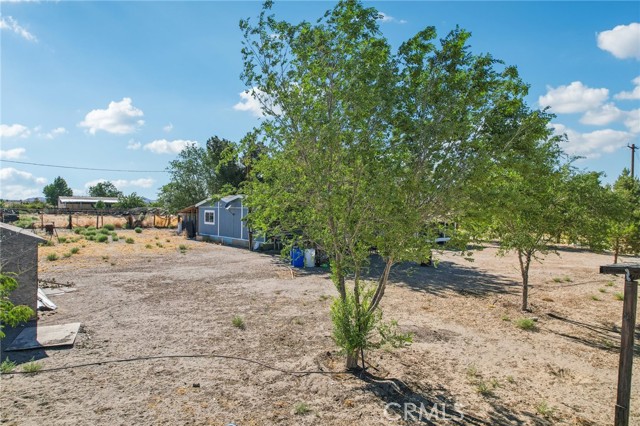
column 309, row 258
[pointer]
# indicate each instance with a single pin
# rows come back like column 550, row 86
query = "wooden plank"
column 621, row 269
column 45, row 337
column 626, row 353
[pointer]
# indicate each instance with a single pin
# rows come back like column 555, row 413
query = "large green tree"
column 200, row 172
column 104, row 189
column 366, row 148
column 56, row 189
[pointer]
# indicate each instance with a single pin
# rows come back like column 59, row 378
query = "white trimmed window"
column 210, row 217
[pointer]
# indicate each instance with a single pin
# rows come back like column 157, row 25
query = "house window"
column 210, row 217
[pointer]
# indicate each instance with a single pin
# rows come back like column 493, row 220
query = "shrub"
column 114, row 237
column 32, row 367
column 525, row 324
column 52, row 257
column 62, row 240
column 544, row 409
column 138, row 230
column 618, row 296
column 129, row 240
column 75, row 250
column 78, row 230
column 102, row 238
column 301, row 409
column 48, row 243
column 91, row 237
column 7, row 366
column 159, row 245
column 238, row 322
column 67, row 255
column 596, row 298
column 25, row 222
column 109, row 226
column 182, row 247
column 104, row 231
column 148, row 246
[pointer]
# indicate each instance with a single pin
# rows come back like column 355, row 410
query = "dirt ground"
column 151, row 299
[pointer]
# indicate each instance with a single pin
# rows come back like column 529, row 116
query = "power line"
column 83, row 168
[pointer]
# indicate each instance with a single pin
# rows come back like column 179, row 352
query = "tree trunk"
column 352, row 360
column 616, row 251
column 525, row 261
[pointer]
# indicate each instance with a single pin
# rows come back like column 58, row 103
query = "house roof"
column 226, row 200
column 21, row 231
column 88, row 199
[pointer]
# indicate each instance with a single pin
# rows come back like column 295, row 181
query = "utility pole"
column 633, row 148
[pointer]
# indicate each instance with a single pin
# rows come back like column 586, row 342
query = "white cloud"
column 14, row 131
column 384, row 18
column 122, row 184
column 633, row 121
column 10, row 24
column 593, row 144
column 12, row 154
column 249, row 103
column 603, row 115
column 163, row 146
column 133, row 145
column 622, row 42
column 634, row 94
column 168, row 128
column 53, row 133
column 576, row 97
column 140, row 183
column 119, row 118
column 18, row 184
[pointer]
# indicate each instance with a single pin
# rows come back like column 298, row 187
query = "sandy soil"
column 138, row 300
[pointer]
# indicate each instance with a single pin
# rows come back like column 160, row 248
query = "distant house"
column 222, row 221
column 85, row 203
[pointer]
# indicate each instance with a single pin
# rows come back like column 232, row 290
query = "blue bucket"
column 297, row 258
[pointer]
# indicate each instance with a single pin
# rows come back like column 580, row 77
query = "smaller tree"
column 56, row 189
column 130, row 201
column 104, row 189
column 9, row 313
column 624, row 230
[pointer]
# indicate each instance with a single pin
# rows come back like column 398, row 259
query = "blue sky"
column 126, row 85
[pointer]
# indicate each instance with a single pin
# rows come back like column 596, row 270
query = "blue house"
column 222, row 221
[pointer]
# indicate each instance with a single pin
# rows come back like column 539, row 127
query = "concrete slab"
column 46, row 336
column 58, row 291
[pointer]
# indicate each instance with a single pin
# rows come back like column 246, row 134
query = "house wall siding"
column 229, row 228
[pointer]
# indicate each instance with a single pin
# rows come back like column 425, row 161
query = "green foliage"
column 199, row 173
column 238, row 322
column 148, row 246
column 624, row 229
column 526, row 324
column 130, row 201
column 75, row 250
column 102, row 238
column 7, row 366
column 47, row 243
column 544, row 409
column 62, row 240
column 25, row 222
column 301, row 408
column 129, row 240
column 365, row 148
column 104, row 231
column 138, row 230
column 109, row 226
column 114, row 237
column 51, row 257
column 618, row 296
column 56, row 189
column 104, row 189
column 11, row 314
column 100, row 205
column 67, row 255
column 32, row 367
